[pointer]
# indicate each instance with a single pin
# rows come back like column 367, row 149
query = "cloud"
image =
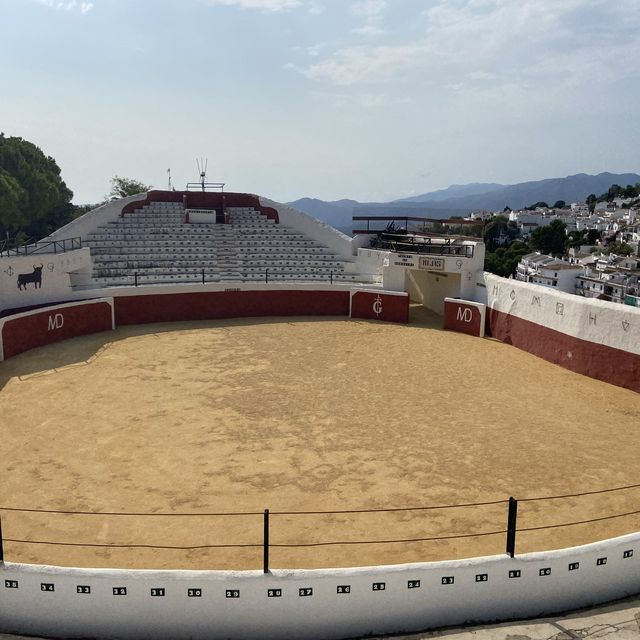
column 371, row 11
column 354, row 65
column 362, row 100
column 464, row 43
column 316, row 8
column 272, row 6
column 368, row 7
column 69, row 5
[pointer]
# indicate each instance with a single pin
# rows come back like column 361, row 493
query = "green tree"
column 34, row 200
column 593, row 235
column 559, row 204
column 620, row 249
column 615, row 191
column 591, row 201
column 493, row 230
column 550, row 239
column 123, row 187
column 541, row 204
column 504, row 260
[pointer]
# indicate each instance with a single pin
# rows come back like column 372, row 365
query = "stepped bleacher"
column 153, row 244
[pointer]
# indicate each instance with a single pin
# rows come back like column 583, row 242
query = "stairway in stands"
column 155, row 243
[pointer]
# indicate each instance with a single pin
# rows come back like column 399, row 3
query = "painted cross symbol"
column 9, row 271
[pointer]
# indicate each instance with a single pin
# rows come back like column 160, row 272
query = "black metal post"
column 511, row 527
column 266, row 276
column 1, row 545
column 135, row 275
column 266, row 542
column 331, row 276
column 203, row 276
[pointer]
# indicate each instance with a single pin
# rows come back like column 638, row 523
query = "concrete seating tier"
column 155, row 243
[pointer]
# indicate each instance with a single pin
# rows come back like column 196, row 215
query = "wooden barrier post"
column 266, row 541
column 511, row 527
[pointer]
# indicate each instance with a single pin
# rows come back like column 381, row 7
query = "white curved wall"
column 309, row 604
column 55, row 284
column 598, row 321
column 91, row 220
column 314, row 228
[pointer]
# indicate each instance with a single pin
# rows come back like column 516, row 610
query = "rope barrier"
column 579, row 495
column 388, row 510
column 243, row 546
column 311, row 512
column 130, row 513
column 133, row 546
column 250, row 513
column 571, row 524
column 321, row 544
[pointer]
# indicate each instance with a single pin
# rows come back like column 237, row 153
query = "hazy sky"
column 367, row 99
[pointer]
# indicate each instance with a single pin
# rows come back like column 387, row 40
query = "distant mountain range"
column 462, row 199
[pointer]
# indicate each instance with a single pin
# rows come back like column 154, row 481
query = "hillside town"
column 597, row 254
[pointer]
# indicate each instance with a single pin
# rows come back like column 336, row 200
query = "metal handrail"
column 265, row 275
column 27, row 248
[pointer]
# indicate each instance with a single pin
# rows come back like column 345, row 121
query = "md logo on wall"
column 464, row 316
column 32, row 329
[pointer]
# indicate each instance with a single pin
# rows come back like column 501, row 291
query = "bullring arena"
column 303, row 415
column 150, row 419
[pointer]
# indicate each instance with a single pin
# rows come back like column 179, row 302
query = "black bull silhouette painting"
column 35, row 276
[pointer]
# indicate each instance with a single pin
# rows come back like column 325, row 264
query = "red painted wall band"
column 378, row 306
column 39, row 329
column 463, row 318
column 206, row 200
column 174, row 307
column 581, row 356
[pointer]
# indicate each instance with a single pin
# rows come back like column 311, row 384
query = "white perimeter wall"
column 411, row 597
column 607, row 323
column 55, row 278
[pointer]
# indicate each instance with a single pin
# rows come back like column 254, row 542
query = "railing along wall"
column 9, row 248
column 509, row 528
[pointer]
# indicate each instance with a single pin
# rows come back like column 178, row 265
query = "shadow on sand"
column 84, row 349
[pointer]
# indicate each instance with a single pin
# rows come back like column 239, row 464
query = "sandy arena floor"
column 304, row 415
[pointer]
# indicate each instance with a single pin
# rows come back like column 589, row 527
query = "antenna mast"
column 202, row 170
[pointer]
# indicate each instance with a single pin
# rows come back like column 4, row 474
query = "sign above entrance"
column 431, row 264
column 404, row 260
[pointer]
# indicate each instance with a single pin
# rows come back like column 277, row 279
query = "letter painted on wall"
column 464, row 316
column 38, row 328
column 389, row 306
column 431, row 264
column 56, row 322
column 377, row 306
